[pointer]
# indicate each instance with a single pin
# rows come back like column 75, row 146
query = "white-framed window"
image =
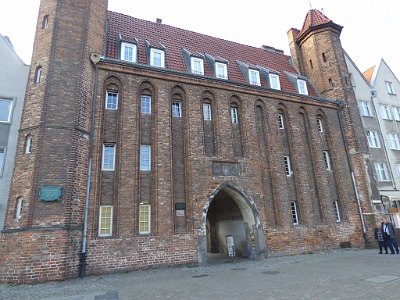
column 111, row 100
column 38, row 74
column 207, row 111
column 145, row 158
column 234, row 115
column 105, row 220
column 221, row 70
column 364, row 109
column 389, row 87
column 18, row 210
column 288, row 168
column 373, row 139
column 319, row 125
column 145, row 106
column 157, row 58
column 281, row 122
column 381, row 172
column 176, row 108
column 28, row 144
column 254, row 76
column 108, row 157
column 5, row 110
column 295, row 217
column 396, row 113
column 128, row 52
column 385, row 112
column 2, row 159
column 393, row 139
column 327, row 160
column 144, row 219
column 197, row 65
column 397, row 166
column 274, row 82
column 302, row 86
column 337, row 211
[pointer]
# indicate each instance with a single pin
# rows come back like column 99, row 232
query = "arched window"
column 28, row 144
column 38, row 74
column 18, row 210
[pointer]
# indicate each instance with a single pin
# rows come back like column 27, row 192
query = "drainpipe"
column 353, row 179
column 95, row 58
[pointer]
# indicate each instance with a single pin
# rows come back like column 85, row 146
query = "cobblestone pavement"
column 339, row 274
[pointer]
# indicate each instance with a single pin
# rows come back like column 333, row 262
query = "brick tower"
column 42, row 237
column 318, row 54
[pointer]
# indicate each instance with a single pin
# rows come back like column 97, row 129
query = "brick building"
column 151, row 144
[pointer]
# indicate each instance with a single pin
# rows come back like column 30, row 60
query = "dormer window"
column 157, row 58
column 254, row 77
column 221, row 70
column 302, row 87
column 197, row 65
column 274, row 82
column 128, row 52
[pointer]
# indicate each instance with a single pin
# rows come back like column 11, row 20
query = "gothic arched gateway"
column 230, row 211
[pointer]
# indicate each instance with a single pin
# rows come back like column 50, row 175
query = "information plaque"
column 50, row 193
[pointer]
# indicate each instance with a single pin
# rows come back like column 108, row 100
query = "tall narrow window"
column 207, row 111
column 330, row 82
column 111, row 100
column 144, row 219
column 327, row 160
column 2, row 155
column 108, row 157
column 221, row 70
column 45, row 22
column 274, row 82
column 373, row 139
column 302, row 86
column 385, row 112
column 197, row 65
column 234, row 115
column 254, row 76
column 281, row 122
column 38, row 74
column 396, row 113
column 176, row 108
column 157, row 58
column 319, row 124
column 105, row 220
column 381, row 172
column 128, row 52
column 18, row 211
column 28, row 144
column 337, row 211
column 389, row 87
column 146, row 104
column 323, row 57
column 397, row 166
column 295, row 217
column 288, row 169
column 364, row 109
column 5, row 110
column 145, row 156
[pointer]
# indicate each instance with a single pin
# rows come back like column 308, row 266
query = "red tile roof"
column 315, row 18
column 368, row 74
column 174, row 39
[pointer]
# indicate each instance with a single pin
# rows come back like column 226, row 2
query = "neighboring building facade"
column 169, row 142
column 13, row 78
column 380, row 110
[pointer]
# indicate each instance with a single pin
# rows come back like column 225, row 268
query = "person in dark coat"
column 379, row 237
column 389, row 235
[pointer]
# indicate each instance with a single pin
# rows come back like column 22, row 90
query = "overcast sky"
column 371, row 27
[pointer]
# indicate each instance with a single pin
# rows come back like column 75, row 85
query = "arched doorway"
column 229, row 211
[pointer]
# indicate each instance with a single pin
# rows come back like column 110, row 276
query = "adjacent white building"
column 13, row 80
column 377, row 93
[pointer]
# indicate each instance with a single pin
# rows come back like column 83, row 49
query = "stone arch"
column 256, row 242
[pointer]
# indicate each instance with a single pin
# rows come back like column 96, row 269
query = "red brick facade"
column 222, row 173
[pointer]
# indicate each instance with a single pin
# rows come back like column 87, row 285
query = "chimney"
column 159, row 21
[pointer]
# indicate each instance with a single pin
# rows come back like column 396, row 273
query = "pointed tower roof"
column 368, row 74
column 315, row 20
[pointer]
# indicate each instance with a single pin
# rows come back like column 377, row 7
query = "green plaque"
column 50, row 193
